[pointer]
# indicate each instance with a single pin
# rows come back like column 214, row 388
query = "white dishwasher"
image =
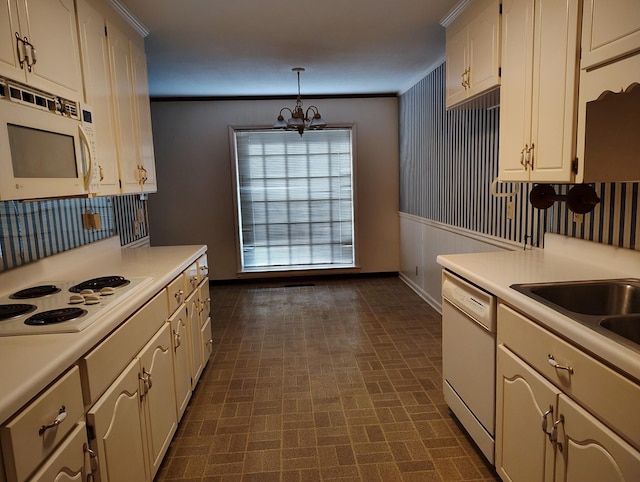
column 469, row 358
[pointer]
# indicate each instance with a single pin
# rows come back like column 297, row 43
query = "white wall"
column 194, row 202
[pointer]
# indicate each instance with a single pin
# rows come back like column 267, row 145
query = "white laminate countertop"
column 29, row 363
column 562, row 259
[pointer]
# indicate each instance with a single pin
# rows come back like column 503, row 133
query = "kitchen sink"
column 611, row 307
column 626, row 326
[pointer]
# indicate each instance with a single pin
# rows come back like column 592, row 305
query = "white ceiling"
column 248, row 47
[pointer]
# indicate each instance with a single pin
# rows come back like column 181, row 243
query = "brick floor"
column 326, row 380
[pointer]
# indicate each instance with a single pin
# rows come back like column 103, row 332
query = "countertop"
column 562, row 259
column 30, row 363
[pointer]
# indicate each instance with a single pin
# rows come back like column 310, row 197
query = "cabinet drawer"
column 67, row 460
column 24, row 443
column 176, row 293
column 203, row 267
column 191, row 278
column 608, row 395
column 103, row 364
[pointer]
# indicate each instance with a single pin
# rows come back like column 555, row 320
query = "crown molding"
column 454, row 12
column 126, row 14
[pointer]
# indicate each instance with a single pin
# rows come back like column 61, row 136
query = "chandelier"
column 300, row 119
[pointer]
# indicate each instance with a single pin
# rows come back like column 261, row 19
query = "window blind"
column 295, row 199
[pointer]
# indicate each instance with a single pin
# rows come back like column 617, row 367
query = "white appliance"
column 46, row 145
column 42, row 308
column 469, row 358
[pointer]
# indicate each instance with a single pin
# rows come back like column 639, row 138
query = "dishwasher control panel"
column 475, row 302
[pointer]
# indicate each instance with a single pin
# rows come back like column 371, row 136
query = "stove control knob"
column 86, row 292
column 107, row 291
column 92, row 299
column 76, row 299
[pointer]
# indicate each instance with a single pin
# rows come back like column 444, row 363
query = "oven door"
column 42, row 154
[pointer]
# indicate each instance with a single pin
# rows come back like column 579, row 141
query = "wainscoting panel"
column 448, row 160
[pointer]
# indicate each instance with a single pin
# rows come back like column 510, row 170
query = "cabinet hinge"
column 500, row 11
column 105, row 30
column 574, row 166
column 499, row 71
column 91, row 434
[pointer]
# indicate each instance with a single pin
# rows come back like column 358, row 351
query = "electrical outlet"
column 510, row 210
column 578, row 218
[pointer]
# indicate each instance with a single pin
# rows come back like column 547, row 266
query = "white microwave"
column 46, row 146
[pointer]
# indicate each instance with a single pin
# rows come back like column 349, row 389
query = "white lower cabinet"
column 523, row 449
column 35, row 434
column 181, row 363
column 69, row 462
column 206, row 334
column 195, row 348
column 542, row 434
column 117, row 430
column 135, row 419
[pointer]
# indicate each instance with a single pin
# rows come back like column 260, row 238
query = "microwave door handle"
column 87, row 170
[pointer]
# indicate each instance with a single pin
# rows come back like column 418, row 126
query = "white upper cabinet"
column 97, row 88
column 611, row 29
column 39, row 45
column 146, row 156
column 473, row 52
column 609, row 101
column 133, row 116
column 538, row 93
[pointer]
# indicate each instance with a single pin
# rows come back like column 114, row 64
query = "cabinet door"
column 53, row 32
column 484, row 50
column 8, row 27
column 95, row 70
column 181, row 362
column 456, row 65
column 590, row 451
column 206, row 337
column 515, row 88
column 156, row 364
column 193, row 324
column 118, row 427
column 145, row 136
column 610, row 29
column 555, row 77
column 123, row 100
column 523, row 450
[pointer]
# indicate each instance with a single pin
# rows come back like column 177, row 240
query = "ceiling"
column 238, row 48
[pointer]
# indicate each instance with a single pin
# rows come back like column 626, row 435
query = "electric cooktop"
column 63, row 306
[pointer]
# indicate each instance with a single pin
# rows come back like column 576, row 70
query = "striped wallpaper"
column 448, row 160
column 36, row 229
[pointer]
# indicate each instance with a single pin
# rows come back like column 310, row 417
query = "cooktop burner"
column 96, row 284
column 15, row 309
column 35, row 292
column 55, row 316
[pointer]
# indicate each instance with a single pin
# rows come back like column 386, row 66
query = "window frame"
column 306, row 269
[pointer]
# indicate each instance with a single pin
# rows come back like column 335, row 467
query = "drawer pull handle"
column 62, row 414
column 557, row 366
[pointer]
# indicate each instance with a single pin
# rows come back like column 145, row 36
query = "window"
column 295, row 199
